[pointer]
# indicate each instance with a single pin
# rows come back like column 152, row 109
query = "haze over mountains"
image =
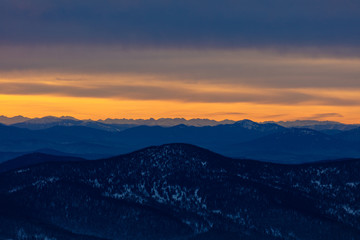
column 49, row 121
column 180, row 191
column 286, row 142
column 52, row 121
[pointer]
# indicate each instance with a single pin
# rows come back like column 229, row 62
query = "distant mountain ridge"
column 12, row 120
column 242, row 139
column 182, row 192
column 317, row 125
column 50, row 121
column 166, row 122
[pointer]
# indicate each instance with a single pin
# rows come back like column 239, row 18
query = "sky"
column 259, row 60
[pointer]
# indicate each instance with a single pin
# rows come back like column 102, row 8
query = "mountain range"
column 180, row 191
column 50, row 121
column 243, row 139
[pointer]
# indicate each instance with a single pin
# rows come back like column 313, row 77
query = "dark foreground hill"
column 180, row 191
column 33, row 159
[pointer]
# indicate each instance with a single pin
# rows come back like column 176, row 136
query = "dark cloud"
column 275, row 116
column 325, row 115
column 237, row 68
column 70, row 79
column 175, row 94
column 187, row 23
column 227, row 113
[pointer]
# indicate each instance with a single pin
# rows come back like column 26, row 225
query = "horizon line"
column 176, row 118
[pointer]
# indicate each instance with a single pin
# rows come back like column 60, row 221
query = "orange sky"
column 95, row 108
column 114, row 83
column 150, row 59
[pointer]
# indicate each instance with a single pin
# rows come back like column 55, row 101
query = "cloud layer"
column 271, row 59
column 187, row 23
column 241, row 67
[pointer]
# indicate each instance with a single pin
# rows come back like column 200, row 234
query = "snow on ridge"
column 43, row 182
column 23, row 170
column 351, row 211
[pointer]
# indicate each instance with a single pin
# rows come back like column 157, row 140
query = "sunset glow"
column 259, row 85
column 197, row 71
